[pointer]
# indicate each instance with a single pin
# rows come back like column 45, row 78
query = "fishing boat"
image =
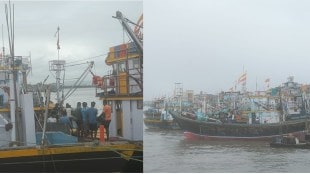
column 280, row 111
column 26, row 148
column 158, row 117
column 165, row 121
column 289, row 141
column 152, row 113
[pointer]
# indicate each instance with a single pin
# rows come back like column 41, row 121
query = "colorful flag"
column 242, row 79
column 137, row 29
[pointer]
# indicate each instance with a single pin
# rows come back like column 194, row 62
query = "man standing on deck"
column 107, row 112
column 84, row 119
column 92, row 120
column 79, row 120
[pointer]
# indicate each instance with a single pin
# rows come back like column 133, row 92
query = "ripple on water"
column 167, row 151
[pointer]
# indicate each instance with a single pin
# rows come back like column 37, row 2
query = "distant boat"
column 290, row 141
column 164, row 121
column 152, row 113
column 157, row 116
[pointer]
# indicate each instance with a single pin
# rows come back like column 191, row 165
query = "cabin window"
column 139, row 104
column 121, row 67
column 136, row 63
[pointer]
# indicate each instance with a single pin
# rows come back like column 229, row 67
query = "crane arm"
column 124, row 21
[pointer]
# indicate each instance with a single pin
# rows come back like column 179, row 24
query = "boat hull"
column 74, row 159
column 161, row 124
column 298, row 146
column 235, row 131
column 193, row 136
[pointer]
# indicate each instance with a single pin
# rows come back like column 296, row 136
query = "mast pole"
column 43, row 139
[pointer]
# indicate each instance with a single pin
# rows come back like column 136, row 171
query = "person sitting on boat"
column 84, row 119
column 92, row 120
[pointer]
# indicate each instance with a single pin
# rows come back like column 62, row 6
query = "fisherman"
column 84, row 119
column 107, row 121
column 68, row 109
column 78, row 117
column 92, row 120
column 55, row 110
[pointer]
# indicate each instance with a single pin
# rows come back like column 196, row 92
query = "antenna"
column 3, row 51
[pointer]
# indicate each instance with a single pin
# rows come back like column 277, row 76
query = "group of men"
column 87, row 120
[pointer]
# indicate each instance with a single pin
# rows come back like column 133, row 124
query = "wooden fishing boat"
column 290, row 141
column 195, row 129
column 165, row 121
column 85, row 157
column 26, row 148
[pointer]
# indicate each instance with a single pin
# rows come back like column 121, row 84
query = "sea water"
column 169, row 151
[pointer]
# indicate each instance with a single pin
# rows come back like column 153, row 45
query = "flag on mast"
column 57, row 33
column 242, row 79
column 267, row 83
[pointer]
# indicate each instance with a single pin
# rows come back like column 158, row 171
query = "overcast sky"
column 87, row 30
column 205, row 44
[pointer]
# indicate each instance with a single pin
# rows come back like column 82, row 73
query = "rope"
column 76, row 64
column 94, row 57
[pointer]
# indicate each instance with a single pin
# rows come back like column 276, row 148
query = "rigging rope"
column 80, row 60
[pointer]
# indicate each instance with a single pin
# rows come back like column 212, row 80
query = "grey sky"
column 87, row 29
column 206, row 43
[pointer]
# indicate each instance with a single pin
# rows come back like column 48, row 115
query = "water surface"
column 168, row 151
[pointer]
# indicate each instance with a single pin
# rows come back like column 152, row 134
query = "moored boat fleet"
column 242, row 115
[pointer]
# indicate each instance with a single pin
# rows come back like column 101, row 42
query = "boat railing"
column 121, row 84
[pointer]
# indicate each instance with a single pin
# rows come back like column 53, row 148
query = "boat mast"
column 3, row 50
column 15, row 116
column 58, row 69
column 58, row 66
column 179, row 93
column 47, row 94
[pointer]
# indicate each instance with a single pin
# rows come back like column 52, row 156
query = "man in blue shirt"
column 92, row 120
column 64, row 119
column 85, row 116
